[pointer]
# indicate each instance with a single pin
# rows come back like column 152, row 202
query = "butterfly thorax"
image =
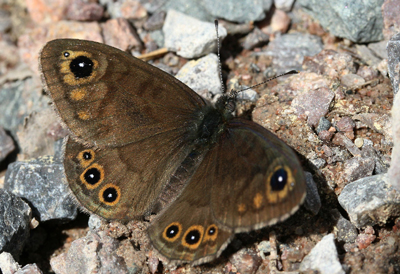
column 212, row 121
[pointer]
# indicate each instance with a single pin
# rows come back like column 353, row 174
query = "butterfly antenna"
column 266, row 81
column 219, row 57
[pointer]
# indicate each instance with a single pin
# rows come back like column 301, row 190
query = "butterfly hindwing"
column 136, row 173
column 186, row 230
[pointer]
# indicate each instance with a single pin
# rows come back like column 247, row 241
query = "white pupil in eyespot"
column 81, row 64
column 280, row 179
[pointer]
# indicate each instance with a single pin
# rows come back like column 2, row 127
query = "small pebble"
column 359, row 142
column 345, row 124
column 325, row 135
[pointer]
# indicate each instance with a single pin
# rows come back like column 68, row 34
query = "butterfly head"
column 226, row 104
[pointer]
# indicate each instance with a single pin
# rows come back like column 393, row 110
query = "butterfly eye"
column 279, row 184
column 279, row 180
column 81, row 67
column 211, row 233
column 172, row 232
column 193, row 236
column 110, row 194
column 86, row 157
column 92, row 176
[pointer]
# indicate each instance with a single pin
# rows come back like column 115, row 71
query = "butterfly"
column 140, row 138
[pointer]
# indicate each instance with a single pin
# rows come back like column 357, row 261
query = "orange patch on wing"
column 258, row 201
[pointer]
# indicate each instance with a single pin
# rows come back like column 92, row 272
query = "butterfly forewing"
column 107, row 97
column 258, row 179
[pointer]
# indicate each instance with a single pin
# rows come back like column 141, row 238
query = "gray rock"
column 346, row 231
column 244, row 93
column 193, row 8
column 393, row 49
column 323, row 258
column 158, row 37
column 30, row 269
column 202, row 75
column 59, row 150
column 379, row 49
column 17, row 102
column 358, row 167
column 367, row 55
column 9, row 266
column 236, row 10
column 7, row 263
column 394, row 170
column 155, row 21
column 267, row 4
column 370, row 201
column 38, row 134
column 288, row 50
column 152, row 6
column 313, row 201
column 352, row 80
column 5, row 20
column 40, row 181
column 14, row 223
column 368, row 150
column 188, row 36
column 285, row 5
column 255, row 38
column 323, row 124
column 248, row 95
column 94, row 222
column 360, row 22
column 318, row 162
column 6, row 144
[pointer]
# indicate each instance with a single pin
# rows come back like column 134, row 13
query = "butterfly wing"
column 106, row 97
column 257, row 180
column 186, row 230
column 248, row 180
column 123, row 183
column 131, row 125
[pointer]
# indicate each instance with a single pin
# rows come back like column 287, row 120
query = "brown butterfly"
column 140, row 137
